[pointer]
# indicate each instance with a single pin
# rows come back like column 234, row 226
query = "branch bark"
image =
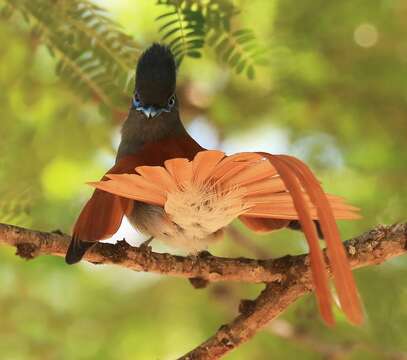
column 370, row 248
column 31, row 243
column 286, row 278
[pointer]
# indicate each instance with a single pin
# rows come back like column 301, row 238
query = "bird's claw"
column 145, row 246
column 204, row 254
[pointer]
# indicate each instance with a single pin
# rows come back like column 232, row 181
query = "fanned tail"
column 151, row 184
column 275, row 191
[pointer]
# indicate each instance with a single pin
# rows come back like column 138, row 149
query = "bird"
column 174, row 190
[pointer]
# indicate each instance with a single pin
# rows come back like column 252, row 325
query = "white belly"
column 191, row 219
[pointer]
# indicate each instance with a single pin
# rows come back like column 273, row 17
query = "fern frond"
column 240, row 50
column 94, row 56
column 183, row 29
column 189, row 25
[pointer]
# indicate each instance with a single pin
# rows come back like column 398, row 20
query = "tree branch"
column 31, row 243
column 287, row 278
column 370, row 248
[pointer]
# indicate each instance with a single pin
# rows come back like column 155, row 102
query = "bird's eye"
column 136, row 101
column 171, row 101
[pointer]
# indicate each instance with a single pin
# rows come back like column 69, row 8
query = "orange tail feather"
column 318, row 266
column 343, row 278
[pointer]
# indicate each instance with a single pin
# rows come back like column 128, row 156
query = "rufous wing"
column 102, row 215
column 99, row 219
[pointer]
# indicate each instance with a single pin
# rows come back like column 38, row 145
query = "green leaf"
column 235, row 59
column 172, row 22
column 169, row 34
column 240, row 67
column 194, row 54
column 166, row 15
column 250, row 72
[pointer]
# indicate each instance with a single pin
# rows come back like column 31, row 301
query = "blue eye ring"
column 136, row 101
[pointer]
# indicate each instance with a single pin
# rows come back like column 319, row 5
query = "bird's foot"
column 197, row 282
column 145, row 246
column 204, row 254
column 195, row 257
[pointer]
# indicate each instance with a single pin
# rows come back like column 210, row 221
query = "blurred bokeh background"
column 331, row 88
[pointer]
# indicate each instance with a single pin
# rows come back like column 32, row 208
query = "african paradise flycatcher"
column 172, row 189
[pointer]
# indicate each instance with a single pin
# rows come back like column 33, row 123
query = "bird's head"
column 155, row 82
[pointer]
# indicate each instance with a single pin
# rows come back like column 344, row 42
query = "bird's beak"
column 151, row 111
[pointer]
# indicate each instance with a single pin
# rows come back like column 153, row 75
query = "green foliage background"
column 331, row 86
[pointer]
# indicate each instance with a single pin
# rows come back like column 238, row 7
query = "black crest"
column 156, row 75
